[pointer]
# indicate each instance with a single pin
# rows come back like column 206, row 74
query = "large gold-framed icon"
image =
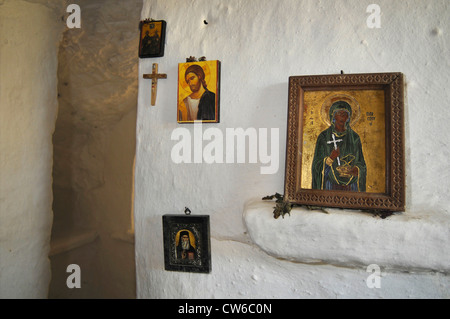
column 345, row 141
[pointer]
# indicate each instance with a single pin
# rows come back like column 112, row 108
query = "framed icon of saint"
column 345, row 141
column 187, row 245
column 152, row 38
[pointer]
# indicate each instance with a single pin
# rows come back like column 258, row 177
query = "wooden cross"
column 335, row 141
column 154, row 76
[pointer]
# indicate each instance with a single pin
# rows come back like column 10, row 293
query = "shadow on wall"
column 94, row 148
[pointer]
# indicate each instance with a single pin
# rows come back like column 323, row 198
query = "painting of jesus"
column 198, row 92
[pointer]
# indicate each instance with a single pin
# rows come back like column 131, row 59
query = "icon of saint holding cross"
column 338, row 162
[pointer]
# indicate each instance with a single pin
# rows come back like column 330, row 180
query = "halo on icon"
column 330, row 99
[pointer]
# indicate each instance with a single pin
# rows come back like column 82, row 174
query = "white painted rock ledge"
column 404, row 242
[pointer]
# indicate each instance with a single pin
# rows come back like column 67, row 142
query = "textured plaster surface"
column 28, row 104
column 402, row 242
column 94, row 144
column 259, row 49
column 95, row 78
column 244, row 271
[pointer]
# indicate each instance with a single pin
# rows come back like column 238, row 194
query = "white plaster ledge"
column 405, row 242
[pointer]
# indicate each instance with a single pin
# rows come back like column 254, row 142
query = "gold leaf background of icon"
column 211, row 77
column 152, row 28
column 368, row 107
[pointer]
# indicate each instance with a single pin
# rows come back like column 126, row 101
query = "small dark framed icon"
column 187, row 243
column 152, row 38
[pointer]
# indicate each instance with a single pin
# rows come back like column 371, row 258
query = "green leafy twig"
column 380, row 213
column 282, row 207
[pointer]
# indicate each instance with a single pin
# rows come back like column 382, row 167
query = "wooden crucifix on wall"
column 155, row 76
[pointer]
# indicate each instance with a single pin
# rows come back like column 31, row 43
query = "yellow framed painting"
column 345, row 141
column 198, row 92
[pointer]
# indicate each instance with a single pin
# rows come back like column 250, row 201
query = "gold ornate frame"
column 392, row 198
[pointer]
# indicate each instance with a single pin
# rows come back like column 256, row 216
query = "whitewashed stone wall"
column 261, row 43
column 29, row 34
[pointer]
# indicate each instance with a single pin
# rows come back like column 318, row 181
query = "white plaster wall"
column 261, row 43
column 29, row 34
